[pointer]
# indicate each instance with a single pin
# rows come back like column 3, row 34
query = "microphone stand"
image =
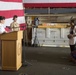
column 24, row 62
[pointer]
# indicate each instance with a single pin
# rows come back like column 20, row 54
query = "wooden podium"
column 11, row 49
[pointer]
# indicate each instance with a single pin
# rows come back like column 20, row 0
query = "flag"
column 49, row 3
column 9, row 8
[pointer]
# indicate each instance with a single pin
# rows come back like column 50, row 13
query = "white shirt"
column 2, row 29
column 72, row 41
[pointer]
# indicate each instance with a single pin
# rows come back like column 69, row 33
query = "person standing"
column 72, row 38
column 2, row 30
column 2, row 21
column 14, row 25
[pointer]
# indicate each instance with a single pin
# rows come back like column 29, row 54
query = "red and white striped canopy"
column 9, row 8
column 49, row 3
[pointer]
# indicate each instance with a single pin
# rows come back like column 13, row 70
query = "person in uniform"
column 14, row 25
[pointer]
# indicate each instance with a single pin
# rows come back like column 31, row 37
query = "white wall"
column 53, row 37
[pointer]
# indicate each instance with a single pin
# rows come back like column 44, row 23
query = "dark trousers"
column 72, row 47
